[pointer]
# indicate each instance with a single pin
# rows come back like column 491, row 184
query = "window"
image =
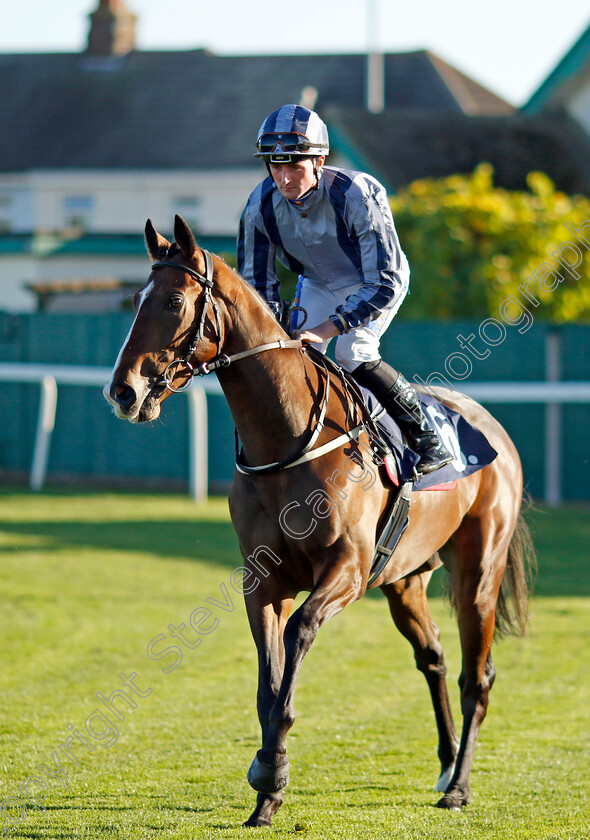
column 78, row 211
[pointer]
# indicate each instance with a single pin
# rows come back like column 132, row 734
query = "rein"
column 223, row 361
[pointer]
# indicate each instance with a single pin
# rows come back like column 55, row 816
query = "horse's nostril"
column 124, row 395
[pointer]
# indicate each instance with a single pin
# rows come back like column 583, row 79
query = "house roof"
column 548, row 94
column 400, row 147
column 194, row 109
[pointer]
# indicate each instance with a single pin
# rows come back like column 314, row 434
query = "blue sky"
column 509, row 46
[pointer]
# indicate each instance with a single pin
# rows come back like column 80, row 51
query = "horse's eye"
column 175, row 302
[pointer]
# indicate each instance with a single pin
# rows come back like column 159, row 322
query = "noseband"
column 206, row 281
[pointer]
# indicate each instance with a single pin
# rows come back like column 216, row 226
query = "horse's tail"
column 512, row 608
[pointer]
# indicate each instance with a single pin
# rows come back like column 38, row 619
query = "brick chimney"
column 112, row 29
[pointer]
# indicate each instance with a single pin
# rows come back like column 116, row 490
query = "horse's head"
column 174, row 323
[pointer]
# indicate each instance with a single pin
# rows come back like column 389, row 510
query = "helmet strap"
column 317, row 171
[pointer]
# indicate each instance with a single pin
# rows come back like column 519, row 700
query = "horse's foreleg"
column 267, row 622
column 411, row 614
column 269, row 772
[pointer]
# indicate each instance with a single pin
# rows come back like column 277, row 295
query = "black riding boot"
column 399, row 399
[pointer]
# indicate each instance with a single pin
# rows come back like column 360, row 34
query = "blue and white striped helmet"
column 292, row 131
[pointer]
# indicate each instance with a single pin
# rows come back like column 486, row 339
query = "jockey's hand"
column 318, row 334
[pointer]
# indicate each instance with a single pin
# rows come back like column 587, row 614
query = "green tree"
column 472, row 245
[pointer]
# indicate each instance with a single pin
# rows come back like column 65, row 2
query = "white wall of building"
column 114, row 201
column 15, row 272
column 47, row 203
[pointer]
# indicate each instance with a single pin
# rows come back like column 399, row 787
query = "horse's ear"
column 157, row 246
column 184, row 238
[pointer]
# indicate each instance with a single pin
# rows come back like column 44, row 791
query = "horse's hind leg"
column 475, row 592
column 411, row 614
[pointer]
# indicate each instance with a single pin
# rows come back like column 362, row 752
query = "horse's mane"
column 249, row 288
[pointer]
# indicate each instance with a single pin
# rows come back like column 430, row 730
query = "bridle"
column 206, row 281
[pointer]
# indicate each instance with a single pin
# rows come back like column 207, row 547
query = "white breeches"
column 352, row 348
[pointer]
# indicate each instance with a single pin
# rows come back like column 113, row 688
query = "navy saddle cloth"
column 469, row 446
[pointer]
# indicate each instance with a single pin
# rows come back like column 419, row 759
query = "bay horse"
column 307, row 518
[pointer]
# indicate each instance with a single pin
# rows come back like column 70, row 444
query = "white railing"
column 49, row 376
column 551, row 394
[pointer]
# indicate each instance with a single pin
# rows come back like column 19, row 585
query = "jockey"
column 333, row 227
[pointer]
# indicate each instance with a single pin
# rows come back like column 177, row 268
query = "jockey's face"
column 295, row 179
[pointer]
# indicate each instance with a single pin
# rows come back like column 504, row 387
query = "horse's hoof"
column 267, row 779
column 260, row 822
column 267, row 804
column 453, row 801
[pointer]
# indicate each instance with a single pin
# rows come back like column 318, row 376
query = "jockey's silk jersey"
column 342, row 236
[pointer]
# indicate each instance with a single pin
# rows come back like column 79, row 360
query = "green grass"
column 88, row 581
